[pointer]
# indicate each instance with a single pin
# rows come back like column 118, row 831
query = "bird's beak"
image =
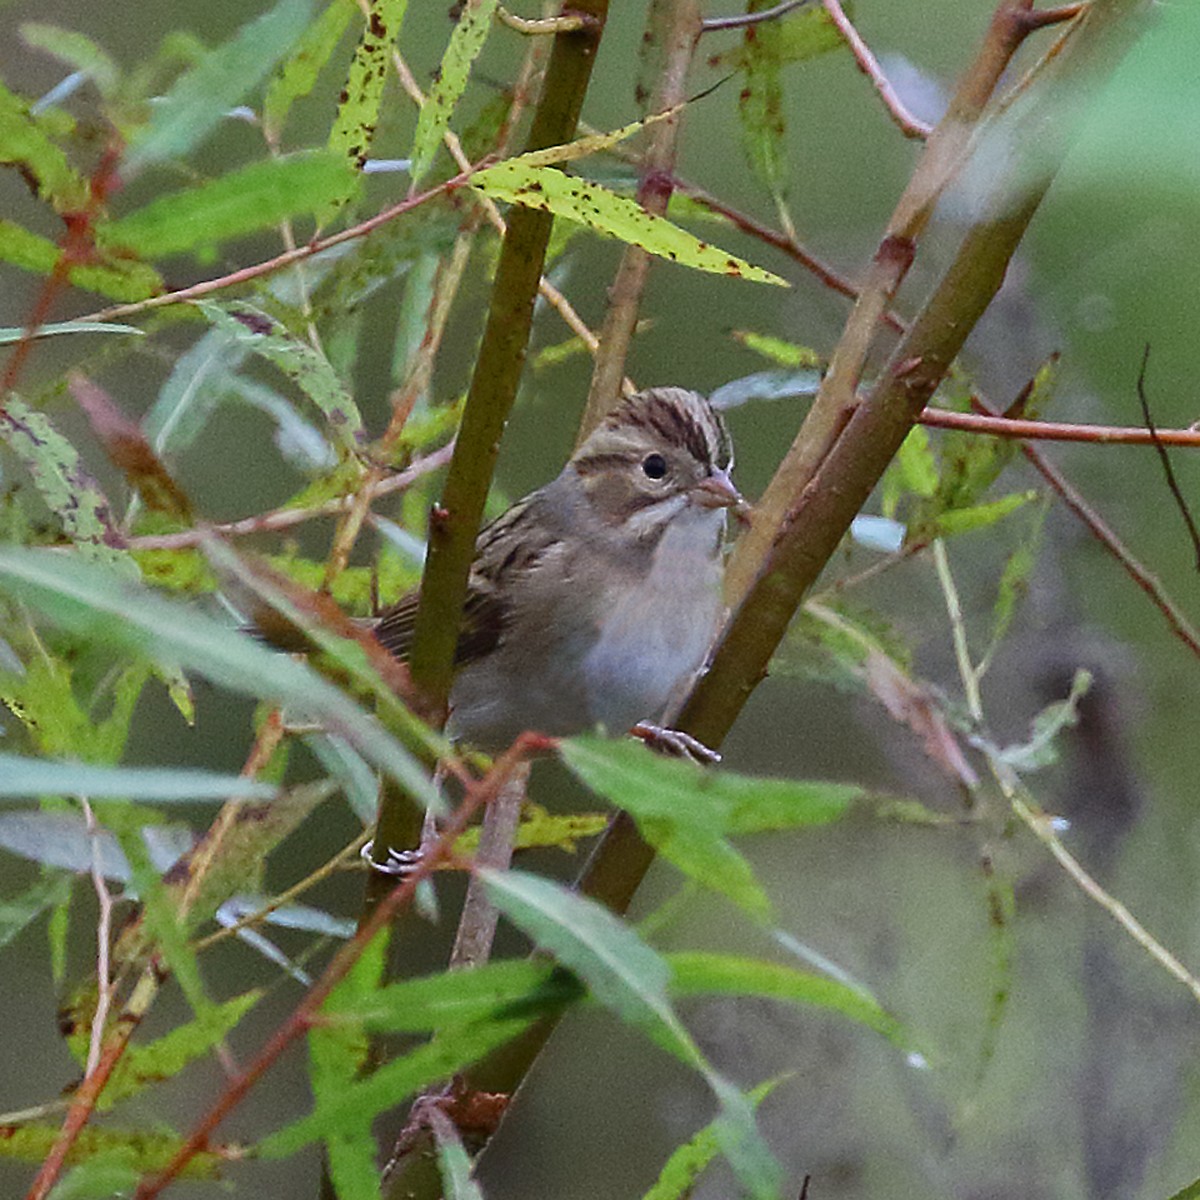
column 717, row 491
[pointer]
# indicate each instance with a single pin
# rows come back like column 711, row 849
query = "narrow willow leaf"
column 243, row 201
column 24, row 143
column 358, row 113
column 198, row 380
column 97, row 1180
column 980, row 516
column 614, row 216
column 466, row 42
column 307, row 367
column 677, row 1179
column 454, row 998
column 96, row 603
column 201, row 97
column 124, row 281
column 1191, row 1192
column 12, row 334
column 64, row 483
column 1014, row 581
column 761, row 107
column 297, row 74
column 916, row 464
column 629, row 977
column 391, row 1084
column 144, row 1064
column 785, row 354
column 697, row 973
column 75, row 49
column 626, row 774
column 456, row 1167
column 1040, row 751
column 143, row 1150
column 19, row 911
column 27, row 778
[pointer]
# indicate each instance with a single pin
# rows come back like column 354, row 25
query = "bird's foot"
column 676, row 743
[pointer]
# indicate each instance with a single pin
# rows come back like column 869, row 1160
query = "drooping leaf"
column 75, row 49
column 297, row 74
column 784, row 354
column 979, row 516
column 630, row 978
column 307, row 367
column 242, row 201
column 697, row 973
column 94, row 602
column 608, row 213
column 466, row 42
column 64, row 483
column 761, row 107
column 200, row 98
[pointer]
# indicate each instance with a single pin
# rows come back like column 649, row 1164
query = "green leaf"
column 784, row 354
column 629, row 977
column 15, row 334
column 1014, row 581
column 680, row 1172
column 24, row 142
column 256, row 331
column 75, row 49
column 454, row 998
column 27, row 778
column 637, row 781
column 391, row 1084
column 979, row 516
column 96, row 603
column 64, row 483
column 1040, row 751
column 607, row 213
column 697, row 973
column 19, row 911
column 358, row 113
column 201, row 97
column 761, row 107
column 297, row 74
column 124, row 281
column 242, row 201
column 145, row 1152
column 144, row 1064
column 450, row 82
column 99, row 1179
column 915, row 471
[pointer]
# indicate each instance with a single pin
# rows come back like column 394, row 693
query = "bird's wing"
column 511, row 545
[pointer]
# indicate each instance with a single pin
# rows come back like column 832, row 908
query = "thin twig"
column 868, row 64
column 1164, row 457
column 1058, row 431
column 958, row 631
column 286, row 518
column 104, row 992
column 741, row 20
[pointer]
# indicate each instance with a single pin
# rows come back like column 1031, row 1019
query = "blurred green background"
column 1091, row 1091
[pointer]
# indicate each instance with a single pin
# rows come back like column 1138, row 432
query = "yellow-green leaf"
column 614, row 216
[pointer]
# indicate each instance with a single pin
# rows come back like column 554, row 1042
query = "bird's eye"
column 655, row 466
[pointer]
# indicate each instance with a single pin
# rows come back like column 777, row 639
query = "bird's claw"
column 398, row 863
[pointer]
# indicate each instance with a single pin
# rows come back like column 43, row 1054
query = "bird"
column 594, row 602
